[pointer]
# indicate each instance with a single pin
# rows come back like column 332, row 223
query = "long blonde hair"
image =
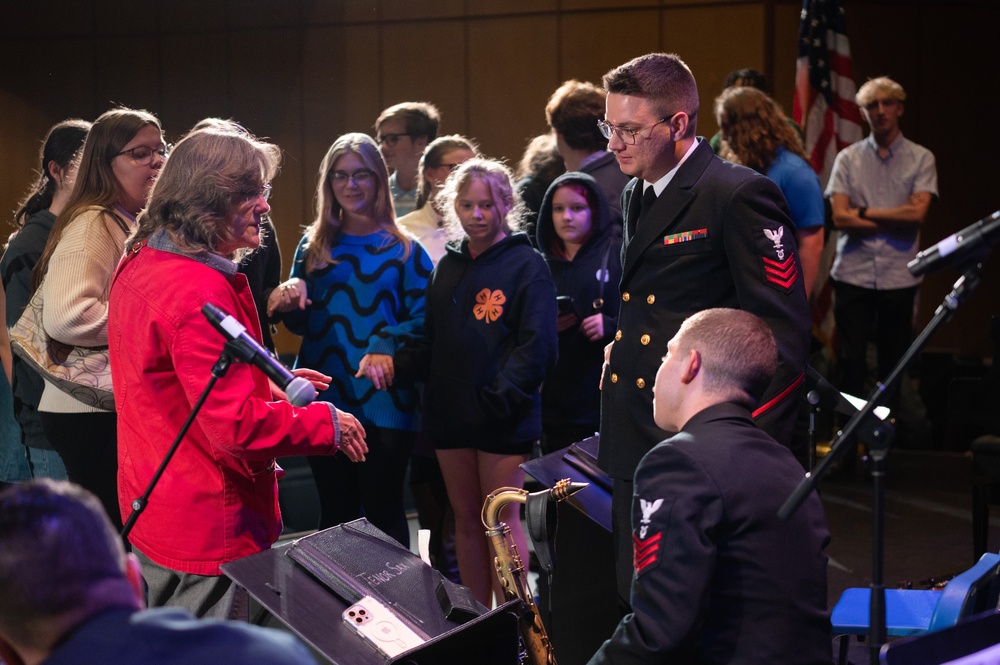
column 322, row 233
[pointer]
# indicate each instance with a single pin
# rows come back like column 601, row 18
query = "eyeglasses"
column 143, row 155
column 450, row 167
column 254, row 194
column 624, row 134
column 360, row 177
column 391, row 139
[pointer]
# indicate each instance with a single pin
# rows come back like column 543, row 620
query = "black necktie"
column 648, row 199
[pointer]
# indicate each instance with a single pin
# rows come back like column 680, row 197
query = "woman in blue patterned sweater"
column 356, row 295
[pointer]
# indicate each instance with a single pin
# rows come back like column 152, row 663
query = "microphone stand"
column 230, row 352
column 878, row 435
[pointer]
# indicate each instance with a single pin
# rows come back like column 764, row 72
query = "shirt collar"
column 162, row 241
column 893, row 147
column 662, row 183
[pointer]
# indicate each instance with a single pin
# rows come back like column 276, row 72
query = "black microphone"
column 298, row 390
column 968, row 245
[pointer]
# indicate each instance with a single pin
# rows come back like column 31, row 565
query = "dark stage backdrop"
column 304, row 71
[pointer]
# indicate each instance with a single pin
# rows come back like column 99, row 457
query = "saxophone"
column 511, row 571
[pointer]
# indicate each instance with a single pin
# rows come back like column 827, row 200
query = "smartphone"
column 565, row 305
column 377, row 624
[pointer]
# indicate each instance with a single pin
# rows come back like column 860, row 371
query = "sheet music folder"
column 312, row 611
column 355, row 559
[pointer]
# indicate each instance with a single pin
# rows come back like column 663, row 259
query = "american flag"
column 824, row 86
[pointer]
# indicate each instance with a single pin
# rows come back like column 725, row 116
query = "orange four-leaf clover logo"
column 488, row 305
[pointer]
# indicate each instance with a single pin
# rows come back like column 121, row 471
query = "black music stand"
column 313, row 612
column 581, row 609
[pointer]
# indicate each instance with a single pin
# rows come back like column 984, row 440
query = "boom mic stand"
column 878, row 435
column 230, row 352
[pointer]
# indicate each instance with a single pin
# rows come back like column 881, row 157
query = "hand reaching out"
column 352, row 437
column 288, row 296
column 378, row 368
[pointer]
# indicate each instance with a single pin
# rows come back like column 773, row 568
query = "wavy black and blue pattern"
column 367, row 300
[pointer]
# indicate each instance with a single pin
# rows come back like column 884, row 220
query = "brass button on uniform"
column 614, row 378
column 650, row 298
column 618, row 336
column 644, row 339
column 641, row 383
column 626, row 296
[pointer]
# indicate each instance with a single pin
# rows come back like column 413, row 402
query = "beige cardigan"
column 75, row 291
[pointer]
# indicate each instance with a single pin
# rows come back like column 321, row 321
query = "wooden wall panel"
column 130, row 79
column 784, row 52
column 736, row 34
column 325, row 12
column 426, row 63
column 421, row 10
column 178, row 16
column 622, row 34
column 606, row 4
column 340, row 94
column 508, row 87
column 508, row 7
column 190, row 90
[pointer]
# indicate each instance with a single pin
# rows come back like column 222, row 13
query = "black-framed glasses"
column 360, row 177
column 143, row 154
column 626, row 135
column 391, row 139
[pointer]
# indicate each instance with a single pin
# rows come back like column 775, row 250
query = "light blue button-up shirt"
column 878, row 261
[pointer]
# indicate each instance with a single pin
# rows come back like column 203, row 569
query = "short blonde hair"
column 882, row 84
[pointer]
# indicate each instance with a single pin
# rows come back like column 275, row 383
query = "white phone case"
column 380, row 627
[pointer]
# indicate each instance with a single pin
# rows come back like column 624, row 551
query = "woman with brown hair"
column 756, row 133
column 122, row 156
column 58, row 160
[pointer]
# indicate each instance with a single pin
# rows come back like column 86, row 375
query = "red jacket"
column 218, row 498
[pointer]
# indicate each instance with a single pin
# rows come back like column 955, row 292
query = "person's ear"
column 420, row 143
column 679, row 125
column 56, row 172
column 692, row 366
column 133, row 573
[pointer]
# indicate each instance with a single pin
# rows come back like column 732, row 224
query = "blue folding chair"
column 914, row 611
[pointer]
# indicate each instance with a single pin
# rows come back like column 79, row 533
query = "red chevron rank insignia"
column 781, row 273
column 646, row 552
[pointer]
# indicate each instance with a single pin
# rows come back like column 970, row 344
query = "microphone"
column 298, row 390
column 968, row 245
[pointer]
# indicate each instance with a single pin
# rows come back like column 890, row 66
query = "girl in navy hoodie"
column 491, row 327
column 582, row 249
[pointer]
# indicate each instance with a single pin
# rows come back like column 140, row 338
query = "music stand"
column 313, row 612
